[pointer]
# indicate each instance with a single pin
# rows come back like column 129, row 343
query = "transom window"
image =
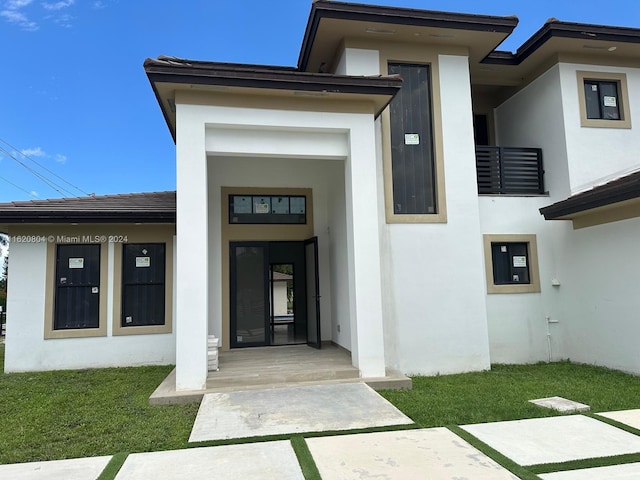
column 268, row 209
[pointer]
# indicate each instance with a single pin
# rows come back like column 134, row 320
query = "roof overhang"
column 613, row 201
column 331, row 22
column 556, row 42
column 148, row 208
column 169, row 74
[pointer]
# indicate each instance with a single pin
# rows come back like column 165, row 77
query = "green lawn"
column 67, row 414
column 503, row 393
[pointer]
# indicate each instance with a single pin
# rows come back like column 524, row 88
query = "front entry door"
column 269, row 294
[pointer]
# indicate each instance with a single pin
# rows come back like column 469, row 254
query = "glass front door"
column 270, row 295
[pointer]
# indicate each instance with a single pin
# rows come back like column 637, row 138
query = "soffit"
column 332, row 32
column 559, row 42
column 553, row 51
column 251, row 85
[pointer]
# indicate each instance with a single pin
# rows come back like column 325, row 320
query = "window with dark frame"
column 143, row 284
column 510, row 263
column 412, row 153
column 268, row 209
column 602, row 99
column 77, row 294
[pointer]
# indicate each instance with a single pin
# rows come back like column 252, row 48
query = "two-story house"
column 397, row 174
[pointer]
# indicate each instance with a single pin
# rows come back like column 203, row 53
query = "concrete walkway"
column 431, row 453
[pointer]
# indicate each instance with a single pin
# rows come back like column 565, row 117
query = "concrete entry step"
column 166, row 393
column 277, row 367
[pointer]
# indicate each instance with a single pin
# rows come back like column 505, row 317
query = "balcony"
column 509, row 170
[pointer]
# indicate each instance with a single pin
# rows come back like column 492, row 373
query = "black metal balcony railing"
column 509, row 170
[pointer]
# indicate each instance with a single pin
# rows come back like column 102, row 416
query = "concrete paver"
column 73, row 469
column 257, row 461
column 560, row 404
column 555, row 439
column 434, row 453
column 630, row 471
column 314, row 408
column 628, row 417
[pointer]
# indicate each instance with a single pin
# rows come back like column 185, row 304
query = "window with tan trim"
column 76, row 294
column 603, row 99
column 143, row 284
column 511, row 263
column 412, row 144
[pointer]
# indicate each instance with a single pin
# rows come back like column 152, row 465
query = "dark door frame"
column 311, row 305
column 314, row 339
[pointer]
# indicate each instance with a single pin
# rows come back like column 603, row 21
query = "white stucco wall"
column 533, row 117
column 517, row 321
column 597, row 155
column 359, row 61
column 599, row 313
column 433, row 273
column 26, row 348
column 434, row 302
column 594, row 309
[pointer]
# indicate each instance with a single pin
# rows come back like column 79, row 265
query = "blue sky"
column 76, row 100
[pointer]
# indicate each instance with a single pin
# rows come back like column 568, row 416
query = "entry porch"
column 277, row 367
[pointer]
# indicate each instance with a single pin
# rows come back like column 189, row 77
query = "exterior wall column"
column 363, row 248
column 192, row 254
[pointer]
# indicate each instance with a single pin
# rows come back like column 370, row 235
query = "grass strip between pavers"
column 289, row 436
column 613, row 423
column 521, row 472
column 585, row 463
column 305, row 459
column 113, row 467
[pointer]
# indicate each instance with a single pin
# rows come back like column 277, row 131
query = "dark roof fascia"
column 237, row 75
column 30, row 217
column 625, row 188
column 557, row 29
column 500, row 57
column 397, row 16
